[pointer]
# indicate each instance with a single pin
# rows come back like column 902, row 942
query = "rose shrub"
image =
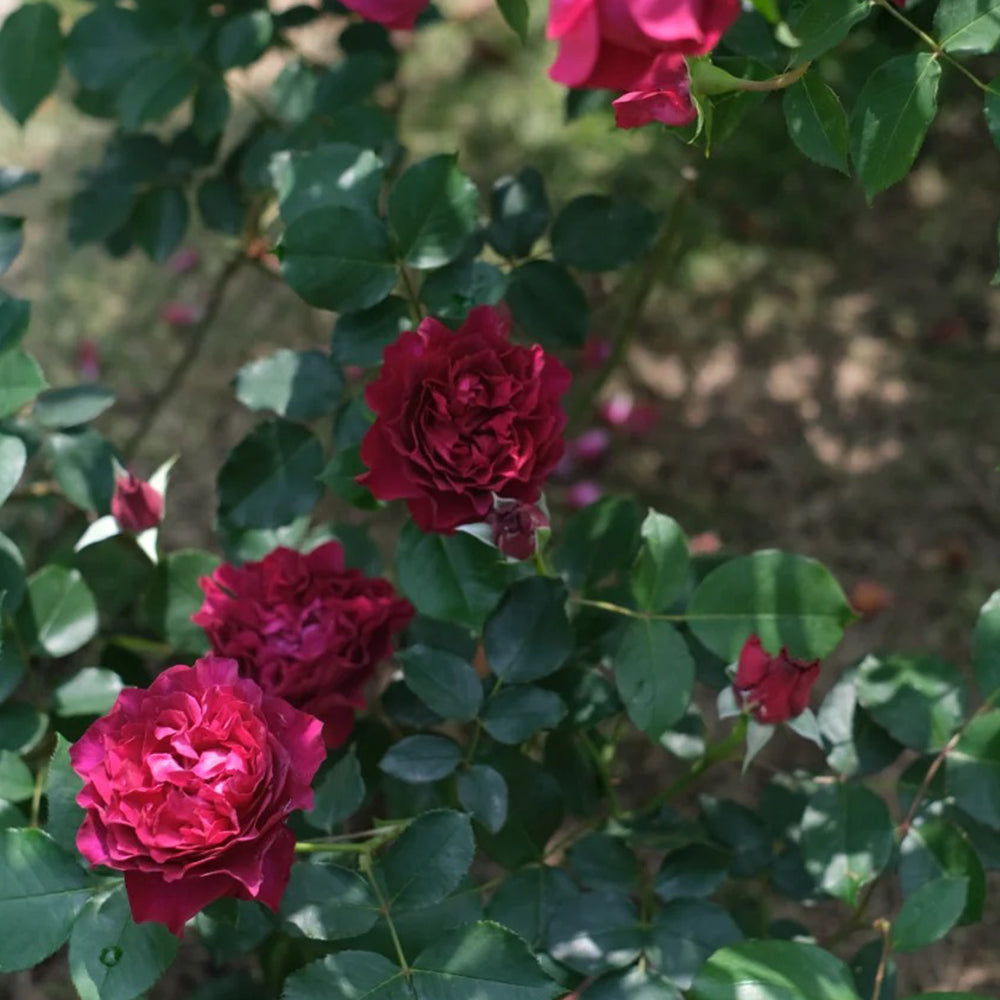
column 187, row 787
column 305, row 628
column 460, row 750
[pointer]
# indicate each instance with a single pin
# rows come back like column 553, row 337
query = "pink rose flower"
column 773, row 688
column 462, row 417
column 135, row 505
column 305, row 629
column 637, row 46
column 187, row 786
column 398, row 15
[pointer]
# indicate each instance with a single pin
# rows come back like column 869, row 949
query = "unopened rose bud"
column 135, row 505
column 514, row 525
column 773, row 688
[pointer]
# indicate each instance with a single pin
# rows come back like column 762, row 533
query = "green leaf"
column 548, row 303
column 13, row 458
column 210, row 110
column 527, row 899
column 596, row 932
column 160, row 221
column 105, row 47
column 968, row 25
column 22, row 727
column 529, row 636
column 929, row 913
column 12, row 178
column 99, row 210
column 300, row 385
column 636, row 983
column 890, row 119
column 433, row 211
column 847, row 839
column 12, row 578
column 15, row 315
column 339, row 794
column 428, row 860
column 773, row 970
column 165, row 81
column 601, row 861
column 270, row 477
column 11, row 240
column 221, row 205
column 684, row 933
column 63, row 610
column 520, row 213
column 821, row 25
column 599, row 540
column 787, row 600
column 421, row 759
column 919, row 700
column 972, row 769
column 176, row 596
column 662, row 566
column 328, row 903
column 21, row 380
column 113, row 958
column 42, row 889
column 482, row 791
column 359, row 338
column 517, row 14
column 243, row 39
column 90, row 691
column 454, row 290
column 691, row 872
column 516, row 713
column 341, row 478
column 986, row 646
column 16, row 781
column 455, row 577
column 62, row 785
column 57, row 409
column 337, row 257
column 933, row 849
column 30, row 58
column 348, row 975
column 817, row 122
column 332, row 174
column 444, row 682
column 84, row 468
column 655, row 675
column 595, row 233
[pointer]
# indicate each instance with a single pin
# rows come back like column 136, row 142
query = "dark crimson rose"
column 135, row 505
column 637, row 46
column 305, row 629
column 463, row 417
column 393, row 14
column 514, row 525
column 187, row 786
column 773, row 688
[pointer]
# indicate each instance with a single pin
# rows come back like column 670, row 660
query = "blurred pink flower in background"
column 584, row 493
column 88, row 360
column 185, row 260
column 180, row 314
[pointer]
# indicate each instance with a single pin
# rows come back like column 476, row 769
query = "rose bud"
column 584, row 493
column 135, row 505
column 187, row 786
column 773, row 688
column 180, row 314
column 514, row 525
column 869, row 598
column 591, row 446
column 184, row 260
column 463, row 417
column 88, row 360
column 399, row 15
column 305, row 629
column 596, row 352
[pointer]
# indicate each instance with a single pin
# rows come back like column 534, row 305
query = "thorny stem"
column 385, row 910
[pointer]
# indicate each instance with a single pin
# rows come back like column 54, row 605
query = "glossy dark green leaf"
column 847, row 839
column 422, row 759
column 516, row 713
column 13, row 581
column 483, row 792
column 817, row 122
column 933, row 849
column 655, row 675
column 821, row 25
column 330, row 175
column 270, row 477
column 21, row 380
column 90, row 691
column 971, row 26
column 339, row 258
column 22, row 727
column 13, row 457
column 243, row 39
column 691, row 872
column 986, row 646
column 63, row 610
column 601, row 861
column 548, row 304
column 42, row 889
column 176, row 596
column 99, row 210
column 105, row 47
column 300, row 385
column 341, row 478
column 11, row 240
column 113, row 958
column 339, row 793
column 662, row 566
column 58, row 409
column 62, row 785
column 972, row 769
column 637, row 983
column 520, row 213
column 598, row 540
column 526, row 900
column 786, row 600
column 683, row 935
column 929, row 913
column 433, row 211
column 210, row 110
column 529, row 636
column 459, row 287
column 596, row 233
column 348, row 974
column 596, row 932
column 221, row 205
column 359, row 338
column 15, row 315
column 17, row 784
column 443, row 681
column 517, row 14
column 30, row 58
column 328, row 903
column 160, row 221
column 166, row 79
column 890, row 119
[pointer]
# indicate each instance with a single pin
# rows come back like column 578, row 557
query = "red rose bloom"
column 187, row 786
column 463, row 417
column 773, row 688
column 393, row 14
column 305, row 629
column 637, row 46
column 135, row 505
column 514, row 526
